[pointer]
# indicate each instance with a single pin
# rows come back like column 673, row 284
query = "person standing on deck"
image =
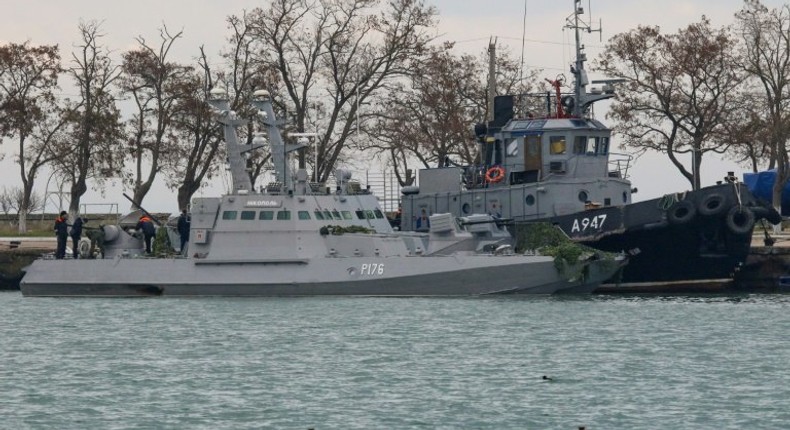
column 183, row 230
column 146, row 225
column 62, row 234
column 76, row 234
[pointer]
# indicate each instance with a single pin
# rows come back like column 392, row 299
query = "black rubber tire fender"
column 681, row 212
column 740, row 220
column 712, row 204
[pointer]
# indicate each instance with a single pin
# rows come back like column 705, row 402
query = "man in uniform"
column 146, row 225
column 183, row 230
column 96, row 235
column 62, row 234
column 76, row 234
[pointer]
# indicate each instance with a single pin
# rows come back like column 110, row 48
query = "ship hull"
column 407, row 276
column 666, row 249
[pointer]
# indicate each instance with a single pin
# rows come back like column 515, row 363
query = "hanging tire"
column 681, row 212
column 740, row 220
column 712, row 204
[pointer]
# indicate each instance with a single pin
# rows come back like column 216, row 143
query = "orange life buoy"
column 495, row 174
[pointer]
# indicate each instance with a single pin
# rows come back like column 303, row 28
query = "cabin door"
column 532, row 158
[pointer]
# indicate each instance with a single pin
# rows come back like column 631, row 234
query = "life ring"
column 712, row 204
column 495, row 174
column 740, row 220
column 681, row 212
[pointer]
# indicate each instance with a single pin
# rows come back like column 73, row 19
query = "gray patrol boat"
column 295, row 239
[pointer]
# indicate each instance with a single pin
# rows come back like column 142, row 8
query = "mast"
column 579, row 105
column 491, row 77
column 238, row 167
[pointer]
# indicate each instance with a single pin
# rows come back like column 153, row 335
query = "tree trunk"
column 78, row 189
column 22, row 221
column 185, row 193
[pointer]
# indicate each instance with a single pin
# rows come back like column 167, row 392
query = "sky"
column 471, row 23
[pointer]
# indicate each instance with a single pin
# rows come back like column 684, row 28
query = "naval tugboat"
column 559, row 169
column 294, row 239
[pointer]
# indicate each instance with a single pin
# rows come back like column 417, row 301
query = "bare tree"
column 153, row 83
column 678, row 91
column 29, row 114
column 430, row 117
column 766, row 58
column 339, row 54
column 92, row 150
column 196, row 142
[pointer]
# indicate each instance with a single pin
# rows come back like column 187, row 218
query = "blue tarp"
column 761, row 184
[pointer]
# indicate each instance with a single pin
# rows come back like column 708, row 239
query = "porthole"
column 466, row 208
column 530, row 200
column 583, row 197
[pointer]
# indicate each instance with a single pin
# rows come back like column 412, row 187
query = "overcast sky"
column 470, row 22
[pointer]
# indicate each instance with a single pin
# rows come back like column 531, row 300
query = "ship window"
column 247, row 215
column 530, row 200
column 625, row 197
column 378, row 213
column 283, row 215
column 347, row 215
column 327, row 214
column 466, row 208
column 583, row 197
column 579, row 123
column 229, row 215
column 360, row 214
column 580, row 145
column 336, row 214
column 318, row 215
column 536, row 124
column 603, row 149
column 595, row 145
column 512, row 148
column 266, row 215
column 304, row 215
column 370, row 214
column 557, row 145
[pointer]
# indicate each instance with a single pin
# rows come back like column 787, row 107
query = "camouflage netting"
column 337, row 230
column 547, row 239
column 161, row 245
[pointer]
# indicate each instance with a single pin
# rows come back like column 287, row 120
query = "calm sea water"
column 616, row 362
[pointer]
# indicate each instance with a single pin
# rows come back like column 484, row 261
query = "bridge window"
column 318, row 215
column 327, row 214
column 512, row 148
column 593, row 143
column 603, row 148
column 370, row 214
column 580, row 145
column 360, row 214
column 283, row 215
column 247, row 215
column 229, row 215
column 347, row 215
column 304, row 215
column 378, row 213
column 266, row 215
column 557, row 145
column 336, row 214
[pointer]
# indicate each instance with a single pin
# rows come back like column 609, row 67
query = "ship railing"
column 619, row 165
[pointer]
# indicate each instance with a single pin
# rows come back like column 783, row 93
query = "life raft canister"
column 495, row 174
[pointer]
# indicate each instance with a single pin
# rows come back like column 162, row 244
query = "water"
column 617, row 362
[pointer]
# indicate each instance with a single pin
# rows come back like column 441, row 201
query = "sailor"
column 146, row 225
column 62, row 234
column 96, row 235
column 76, row 234
column 183, row 229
